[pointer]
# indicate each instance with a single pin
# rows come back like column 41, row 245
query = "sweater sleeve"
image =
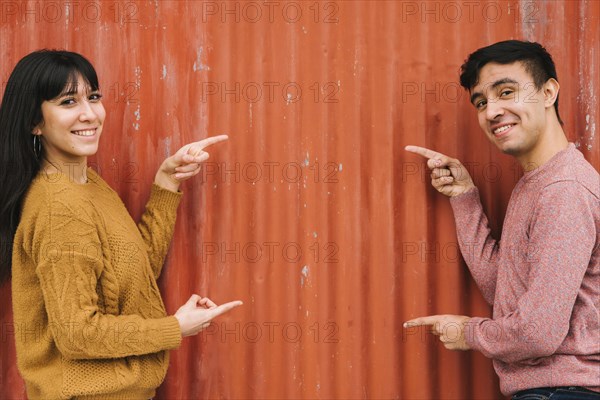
column 157, row 225
column 478, row 247
column 67, row 251
column 562, row 236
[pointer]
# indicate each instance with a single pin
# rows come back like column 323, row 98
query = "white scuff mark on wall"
column 198, row 64
column 587, row 122
column 530, row 19
column 587, row 99
column 593, row 124
column 67, row 13
column 138, row 84
column 304, row 273
column 167, row 143
column 138, row 117
column 164, row 72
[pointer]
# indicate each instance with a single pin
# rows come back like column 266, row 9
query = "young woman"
column 89, row 319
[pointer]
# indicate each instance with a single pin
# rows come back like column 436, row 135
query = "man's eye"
column 505, row 92
column 480, row 103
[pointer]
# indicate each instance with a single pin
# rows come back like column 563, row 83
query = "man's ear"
column 551, row 89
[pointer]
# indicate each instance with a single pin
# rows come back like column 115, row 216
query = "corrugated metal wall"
column 312, row 213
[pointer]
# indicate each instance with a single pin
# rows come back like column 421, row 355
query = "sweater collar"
column 556, row 161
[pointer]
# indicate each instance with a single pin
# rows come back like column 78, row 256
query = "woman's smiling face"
column 72, row 124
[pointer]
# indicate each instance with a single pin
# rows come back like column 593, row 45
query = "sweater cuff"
column 474, row 332
column 465, row 196
column 163, row 199
column 466, row 200
column 171, row 332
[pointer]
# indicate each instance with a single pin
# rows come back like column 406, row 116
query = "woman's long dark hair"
column 39, row 76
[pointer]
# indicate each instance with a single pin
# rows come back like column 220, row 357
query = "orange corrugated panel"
column 312, row 213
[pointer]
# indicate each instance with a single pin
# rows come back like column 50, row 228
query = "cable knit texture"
column 542, row 277
column 89, row 319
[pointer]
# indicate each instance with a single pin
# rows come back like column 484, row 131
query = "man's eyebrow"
column 493, row 86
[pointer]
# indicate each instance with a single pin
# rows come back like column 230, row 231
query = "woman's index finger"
column 223, row 308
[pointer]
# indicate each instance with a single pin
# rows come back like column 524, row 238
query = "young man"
column 543, row 277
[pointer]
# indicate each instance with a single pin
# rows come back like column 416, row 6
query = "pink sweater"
column 542, row 278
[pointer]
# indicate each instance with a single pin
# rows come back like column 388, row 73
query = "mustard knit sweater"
column 89, row 319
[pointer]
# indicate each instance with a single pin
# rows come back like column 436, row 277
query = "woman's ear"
column 37, row 130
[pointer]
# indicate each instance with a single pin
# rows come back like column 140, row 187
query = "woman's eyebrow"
column 72, row 91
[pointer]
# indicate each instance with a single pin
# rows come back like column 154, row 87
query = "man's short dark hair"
column 536, row 60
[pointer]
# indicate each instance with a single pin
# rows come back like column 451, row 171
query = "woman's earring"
column 37, row 146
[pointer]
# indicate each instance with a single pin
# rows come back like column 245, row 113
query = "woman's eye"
column 68, row 101
column 95, row 97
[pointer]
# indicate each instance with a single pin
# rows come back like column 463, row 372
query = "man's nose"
column 493, row 109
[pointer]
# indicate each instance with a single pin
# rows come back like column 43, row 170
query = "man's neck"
column 551, row 143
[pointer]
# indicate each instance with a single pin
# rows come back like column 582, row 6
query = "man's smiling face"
column 510, row 109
